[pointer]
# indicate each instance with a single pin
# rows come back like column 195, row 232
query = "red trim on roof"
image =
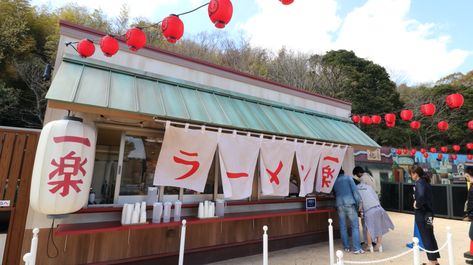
column 68, row 24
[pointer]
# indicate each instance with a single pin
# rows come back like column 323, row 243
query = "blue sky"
column 417, row 41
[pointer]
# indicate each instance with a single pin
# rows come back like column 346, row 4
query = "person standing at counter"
column 424, row 214
column 348, row 200
column 375, row 217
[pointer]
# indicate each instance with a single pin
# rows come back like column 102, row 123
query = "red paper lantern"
column 407, row 114
column 286, row 2
column 470, row 125
column 444, row 149
column 427, row 109
column 86, row 48
column 426, row 155
column 469, row 146
column 366, row 120
column 109, row 45
column 439, row 156
column 442, row 126
column 220, row 12
column 454, row 156
column 415, row 125
column 456, row 148
column 390, row 118
column 423, row 150
column 433, row 150
column 135, row 38
column 399, row 151
column 355, row 118
column 172, row 28
column 390, row 125
column 376, row 119
column 470, row 157
column 413, row 152
column 454, row 100
column 405, row 151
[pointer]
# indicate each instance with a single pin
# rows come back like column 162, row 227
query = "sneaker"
column 380, row 248
column 371, row 249
column 347, row 250
column 359, row 251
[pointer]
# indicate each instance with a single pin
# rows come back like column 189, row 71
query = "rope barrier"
column 379, row 260
column 434, row 251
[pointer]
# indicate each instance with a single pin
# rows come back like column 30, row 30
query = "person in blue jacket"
column 348, row 201
column 424, row 214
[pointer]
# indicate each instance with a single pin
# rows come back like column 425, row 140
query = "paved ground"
column 393, row 244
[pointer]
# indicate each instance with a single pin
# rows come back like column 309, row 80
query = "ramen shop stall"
column 158, row 132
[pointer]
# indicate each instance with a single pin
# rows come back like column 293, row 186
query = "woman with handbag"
column 424, row 215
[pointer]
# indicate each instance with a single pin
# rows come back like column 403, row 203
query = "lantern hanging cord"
column 193, row 10
column 51, row 237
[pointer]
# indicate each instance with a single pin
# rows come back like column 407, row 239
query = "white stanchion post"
column 265, row 245
column 451, row 260
column 30, row 258
column 416, row 251
column 340, row 257
column 330, row 242
column 183, row 242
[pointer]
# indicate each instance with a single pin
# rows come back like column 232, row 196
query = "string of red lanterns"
column 220, row 13
column 453, row 101
column 443, row 149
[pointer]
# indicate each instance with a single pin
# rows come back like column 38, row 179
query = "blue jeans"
column 350, row 212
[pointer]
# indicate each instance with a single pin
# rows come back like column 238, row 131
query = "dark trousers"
column 427, row 234
column 471, row 231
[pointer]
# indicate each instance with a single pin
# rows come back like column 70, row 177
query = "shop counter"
column 101, row 227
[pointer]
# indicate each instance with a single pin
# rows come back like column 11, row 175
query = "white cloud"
column 142, row 8
column 303, row 25
column 381, row 31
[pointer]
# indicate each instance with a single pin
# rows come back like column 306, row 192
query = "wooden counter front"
column 111, row 243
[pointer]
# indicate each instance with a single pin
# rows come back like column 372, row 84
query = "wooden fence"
column 17, row 153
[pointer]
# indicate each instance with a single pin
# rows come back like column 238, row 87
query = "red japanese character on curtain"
column 330, row 163
column 307, row 157
column 238, row 156
column 185, row 158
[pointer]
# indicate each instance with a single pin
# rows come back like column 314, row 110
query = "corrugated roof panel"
column 214, row 110
column 66, row 81
column 88, row 87
column 248, row 116
column 149, row 97
column 122, row 92
column 173, row 102
column 229, row 107
column 273, row 116
column 83, row 83
column 195, row 106
column 264, row 120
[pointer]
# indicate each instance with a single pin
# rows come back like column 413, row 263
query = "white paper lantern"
column 63, row 167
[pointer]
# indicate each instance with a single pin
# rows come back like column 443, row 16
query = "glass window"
column 105, row 167
column 139, row 162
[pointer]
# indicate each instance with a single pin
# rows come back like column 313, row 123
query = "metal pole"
column 339, row 257
column 451, row 260
column 330, row 242
column 265, row 245
column 30, row 258
column 416, row 251
column 183, row 242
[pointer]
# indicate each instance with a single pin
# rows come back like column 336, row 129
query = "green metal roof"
column 81, row 82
